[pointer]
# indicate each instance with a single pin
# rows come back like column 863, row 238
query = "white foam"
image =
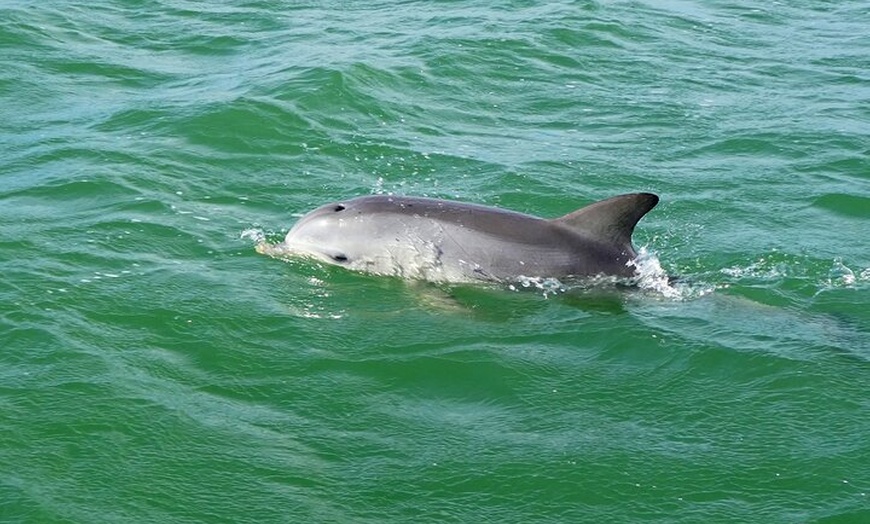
column 842, row 273
column 651, row 276
column 763, row 268
column 842, row 276
column 549, row 286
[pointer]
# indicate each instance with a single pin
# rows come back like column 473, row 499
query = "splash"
column 651, row 276
column 258, row 236
column 261, row 243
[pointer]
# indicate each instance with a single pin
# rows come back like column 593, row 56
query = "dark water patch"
column 848, row 205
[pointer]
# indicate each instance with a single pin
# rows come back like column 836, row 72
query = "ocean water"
column 155, row 368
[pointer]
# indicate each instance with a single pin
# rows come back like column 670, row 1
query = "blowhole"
column 338, row 208
column 339, row 258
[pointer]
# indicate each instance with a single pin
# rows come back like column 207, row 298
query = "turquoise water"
column 155, row 368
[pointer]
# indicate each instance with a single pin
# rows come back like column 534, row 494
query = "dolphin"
column 447, row 241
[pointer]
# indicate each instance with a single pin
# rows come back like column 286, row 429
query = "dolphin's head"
column 327, row 233
column 377, row 234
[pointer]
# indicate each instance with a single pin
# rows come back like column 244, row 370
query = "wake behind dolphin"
column 446, row 241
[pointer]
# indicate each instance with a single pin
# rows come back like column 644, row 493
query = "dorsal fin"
column 611, row 220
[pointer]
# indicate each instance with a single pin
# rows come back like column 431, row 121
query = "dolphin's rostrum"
column 447, row 241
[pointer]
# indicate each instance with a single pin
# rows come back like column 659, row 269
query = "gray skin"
column 447, row 241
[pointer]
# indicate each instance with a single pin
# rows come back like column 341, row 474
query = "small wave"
column 548, row 286
column 764, row 268
column 822, row 274
column 842, row 276
column 650, row 277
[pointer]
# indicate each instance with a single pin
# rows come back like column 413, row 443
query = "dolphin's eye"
column 338, row 208
column 339, row 258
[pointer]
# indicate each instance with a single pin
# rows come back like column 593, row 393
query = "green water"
column 154, row 368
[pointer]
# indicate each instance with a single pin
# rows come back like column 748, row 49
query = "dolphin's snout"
column 272, row 250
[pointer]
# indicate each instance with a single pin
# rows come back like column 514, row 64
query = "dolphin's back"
column 497, row 244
